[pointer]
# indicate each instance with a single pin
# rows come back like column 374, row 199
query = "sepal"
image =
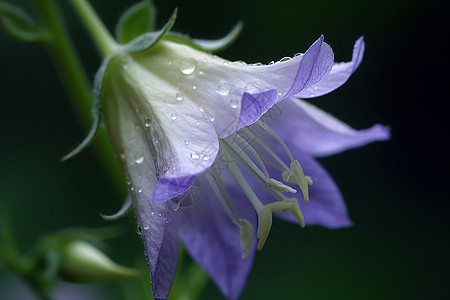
column 121, row 213
column 96, row 110
column 145, row 41
column 137, row 20
column 20, row 25
column 207, row 45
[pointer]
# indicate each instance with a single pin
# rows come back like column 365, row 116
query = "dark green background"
column 396, row 191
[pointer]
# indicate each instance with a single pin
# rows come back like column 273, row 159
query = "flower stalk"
column 101, row 36
column 77, row 84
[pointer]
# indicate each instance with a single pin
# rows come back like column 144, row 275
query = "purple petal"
column 315, row 132
column 213, row 240
column 160, row 241
column 338, row 74
column 315, row 64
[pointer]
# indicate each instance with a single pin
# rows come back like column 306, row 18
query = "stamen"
column 265, row 147
column 295, row 175
column 264, row 212
column 239, row 153
column 276, row 137
column 246, row 228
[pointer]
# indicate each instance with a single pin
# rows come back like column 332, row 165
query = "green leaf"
column 20, row 25
column 147, row 40
column 137, row 20
column 207, row 45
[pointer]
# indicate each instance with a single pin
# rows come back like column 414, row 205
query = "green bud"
column 82, row 262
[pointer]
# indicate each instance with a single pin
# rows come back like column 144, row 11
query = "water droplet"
column 187, row 66
column 152, row 213
column 287, row 58
column 234, row 103
column 212, row 119
column 201, row 108
column 315, row 88
column 271, row 63
column 139, row 160
column 197, row 123
column 194, row 86
column 147, row 122
column 200, row 73
column 175, row 203
column 206, row 157
column 186, row 142
column 179, row 96
column 225, row 63
column 139, row 230
column 173, row 116
column 312, row 95
column 223, row 89
column 298, row 54
column 146, row 227
column 139, row 191
column 250, row 88
column 195, row 156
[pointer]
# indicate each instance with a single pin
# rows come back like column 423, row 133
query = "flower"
column 206, row 163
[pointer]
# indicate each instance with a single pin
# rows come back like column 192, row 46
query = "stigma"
column 247, row 154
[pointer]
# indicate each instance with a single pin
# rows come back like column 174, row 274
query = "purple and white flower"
column 205, row 163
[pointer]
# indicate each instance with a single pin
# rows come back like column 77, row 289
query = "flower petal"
column 338, row 74
column 315, row 132
column 314, row 65
column 216, row 87
column 131, row 145
column 212, row 239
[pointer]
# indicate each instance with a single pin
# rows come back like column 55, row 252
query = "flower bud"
column 82, row 262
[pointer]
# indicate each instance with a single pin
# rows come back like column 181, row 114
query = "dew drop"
column 197, row 123
column 206, row 157
column 234, row 103
column 194, row 86
column 225, row 63
column 139, row 191
column 139, row 230
column 287, row 58
column 147, row 122
column 195, row 156
column 250, row 88
column 173, row 116
column 271, row 63
column 223, row 89
column 186, row 142
column 152, row 213
column 179, row 96
column 187, row 66
column 139, row 160
column 174, row 203
column 201, row 108
column 146, row 227
column 212, row 119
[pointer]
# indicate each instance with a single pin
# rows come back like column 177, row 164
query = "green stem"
column 15, row 262
column 77, row 85
column 101, row 36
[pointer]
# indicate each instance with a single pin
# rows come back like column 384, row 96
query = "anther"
column 295, row 175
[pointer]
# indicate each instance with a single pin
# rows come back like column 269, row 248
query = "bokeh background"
column 396, row 191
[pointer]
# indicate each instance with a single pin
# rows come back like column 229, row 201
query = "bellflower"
column 212, row 149
column 207, row 161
